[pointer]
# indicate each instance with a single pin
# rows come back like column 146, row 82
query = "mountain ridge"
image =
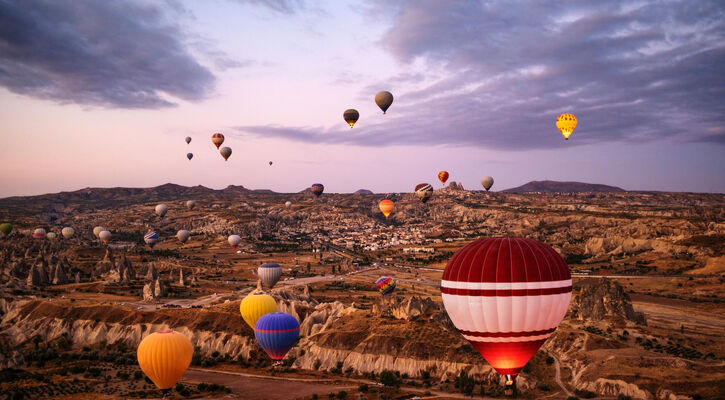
column 548, row 186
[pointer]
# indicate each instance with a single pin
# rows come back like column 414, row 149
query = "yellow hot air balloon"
column 255, row 305
column 566, row 124
column 351, row 116
column 164, row 356
column 386, row 206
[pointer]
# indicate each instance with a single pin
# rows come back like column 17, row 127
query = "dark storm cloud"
column 105, row 53
column 629, row 71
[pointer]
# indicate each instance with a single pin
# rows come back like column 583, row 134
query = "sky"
column 102, row 94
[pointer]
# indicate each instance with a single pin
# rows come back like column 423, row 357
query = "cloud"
column 109, row 54
column 499, row 73
column 281, row 6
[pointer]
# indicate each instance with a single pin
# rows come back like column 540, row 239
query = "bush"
column 363, row 388
column 137, row 375
column 341, row 394
column 389, row 378
column 317, row 364
column 623, row 397
column 585, row 394
column 549, row 360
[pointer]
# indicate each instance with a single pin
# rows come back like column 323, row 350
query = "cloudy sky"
column 102, row 94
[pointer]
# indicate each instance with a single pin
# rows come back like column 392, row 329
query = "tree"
column 465, row 383
column 389, row 378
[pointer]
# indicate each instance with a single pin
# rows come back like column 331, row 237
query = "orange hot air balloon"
column 164, row 356
column 217, row 139
column 386, row 206
column 566, row 124
column 443, row 176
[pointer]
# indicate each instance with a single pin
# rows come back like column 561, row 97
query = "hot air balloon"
column 506, row 296
column 161, row 210
column 189, row 156
column 487, row 182
column 98, row 230
column 277, row 333
column 566, row 124
column 183, row 235
column 288, row 204
column 39, row 233
column 424, row 191
column 51, row 235
column 443, row 176
column 255, row 305
column 385, row 285
column 217, row 139
column 351, row 116
column 225, row 152
column 386, row 207
column 270, row 163
column 269, row 274
column 317, row 189
column 105, row 236
column 164, row 356
column 68, row 232
column 151, row 238
column 234, row 240
column 190, row 204
column 188, row 139
column 384, row 100
column 6, row 228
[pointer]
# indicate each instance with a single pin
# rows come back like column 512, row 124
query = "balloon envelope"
column 277, row 333
column 443, row 176
column 384, row 100
column 385, row 284
column 68, row 232
column 151, row 238
column 317, row 189
column 188, row 139
column 105, row 236
column 217, row 139
column 288, row 204
column 39, row 233
column 98, row 230
column 269, row 274
column 190, row 204
column 255, row 305
column 506, row 296
column 51, row 235
column 164, row 356
column 386, row 207
column 189, row 156
column 487, row 182
column 234, row 240
column 183, row 235
column 351, row 116
column 6, row 228
column 424, row 191
column 161, row 210
column 225, row 152
column 566, row 124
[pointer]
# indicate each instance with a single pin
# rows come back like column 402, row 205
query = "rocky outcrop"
column 404, row 308
column 107, row 264
column 613, row 388
column 600, row 299
column 151, row 273
column 154, row 290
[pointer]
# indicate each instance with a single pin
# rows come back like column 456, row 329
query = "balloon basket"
column 510, row 386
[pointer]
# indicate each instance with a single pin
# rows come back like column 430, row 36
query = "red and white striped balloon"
column 506, row 296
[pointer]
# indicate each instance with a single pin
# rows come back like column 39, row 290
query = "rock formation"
column 600, row 298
